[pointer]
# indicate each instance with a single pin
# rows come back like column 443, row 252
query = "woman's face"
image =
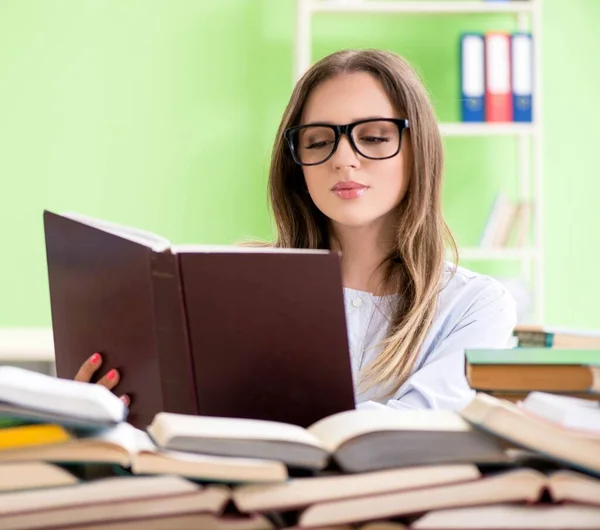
column 350, row 189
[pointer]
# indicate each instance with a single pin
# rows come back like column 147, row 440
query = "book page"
column 168, row 425
column 156, row 242
column 339, row 428
column 241, row 249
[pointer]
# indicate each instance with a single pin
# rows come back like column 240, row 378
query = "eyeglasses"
column 375, row 139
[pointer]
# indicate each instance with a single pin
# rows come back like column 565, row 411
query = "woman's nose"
column 344, row 155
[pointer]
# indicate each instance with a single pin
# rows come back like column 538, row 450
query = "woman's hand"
column 109, row 380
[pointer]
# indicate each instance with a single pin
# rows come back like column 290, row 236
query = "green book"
column 533, row 356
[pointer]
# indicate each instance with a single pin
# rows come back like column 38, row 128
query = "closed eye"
column 319, row 145
column 375, row 139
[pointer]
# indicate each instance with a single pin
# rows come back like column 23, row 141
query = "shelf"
column 429, row 7
column 493, row 254
column 486, row 129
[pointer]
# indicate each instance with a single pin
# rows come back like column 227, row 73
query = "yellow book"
column 28, row 435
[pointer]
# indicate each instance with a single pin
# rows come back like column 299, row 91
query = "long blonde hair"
column 415, row 267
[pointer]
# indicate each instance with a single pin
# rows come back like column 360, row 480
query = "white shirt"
column 474, row 311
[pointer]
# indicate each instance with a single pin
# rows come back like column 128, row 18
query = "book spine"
column 175, row 363
column 472, row 76
column 498, row 97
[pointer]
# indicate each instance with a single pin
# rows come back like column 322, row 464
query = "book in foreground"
column 577, row 448
column 28, row 395
column 197, row 521
column 214, row 330
column 131, row 448
column 522, row 485
column 16, row 476
column 302, row 492
column 357, row 440
column 109, row 499
column 512, row 516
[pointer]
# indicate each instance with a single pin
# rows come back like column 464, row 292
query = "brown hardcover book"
column 527, row 369
column 220, row 331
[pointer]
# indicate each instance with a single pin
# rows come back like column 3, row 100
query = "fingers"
column 88, row 368
column 125, row 399
column 111, row 379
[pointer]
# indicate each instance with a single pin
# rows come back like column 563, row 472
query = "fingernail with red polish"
column 125, row 400
column 95, row 359
column 111, row 375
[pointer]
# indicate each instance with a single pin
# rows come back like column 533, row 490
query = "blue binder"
column 522, row 76
column 472, row 77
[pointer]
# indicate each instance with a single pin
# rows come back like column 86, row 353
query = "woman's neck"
column 363, row 251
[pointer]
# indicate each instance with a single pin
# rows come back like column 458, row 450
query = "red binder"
column 498, row 99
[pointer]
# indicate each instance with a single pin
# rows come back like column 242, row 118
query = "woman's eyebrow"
column 328, row 122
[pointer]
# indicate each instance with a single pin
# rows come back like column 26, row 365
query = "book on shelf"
column 508, row 224
column 233, row 331
column 528, row 369
column 355, row 441
column 496, row 77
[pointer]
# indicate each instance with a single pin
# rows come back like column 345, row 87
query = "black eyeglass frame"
column 338, row 131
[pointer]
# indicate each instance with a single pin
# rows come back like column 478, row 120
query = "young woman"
column 357, row 166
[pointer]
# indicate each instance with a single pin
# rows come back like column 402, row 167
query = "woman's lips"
column 349, row 190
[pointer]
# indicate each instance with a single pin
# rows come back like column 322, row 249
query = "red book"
column 498, row 96
column 221, row 331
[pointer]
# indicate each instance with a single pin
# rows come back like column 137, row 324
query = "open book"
column 578, row 448
column 522, row 485
column 518, row 486
column 512, row 517
column 132, row 448
column 38, row 397
column 215, row 330
column 358, row 440
column 302, row 492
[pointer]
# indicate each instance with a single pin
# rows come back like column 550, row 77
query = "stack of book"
column 512, row 374
column 494, row 464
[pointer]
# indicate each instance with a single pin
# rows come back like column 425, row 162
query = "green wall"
column 161, row 114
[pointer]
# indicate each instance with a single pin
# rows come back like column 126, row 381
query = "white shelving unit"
column 528, row 135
